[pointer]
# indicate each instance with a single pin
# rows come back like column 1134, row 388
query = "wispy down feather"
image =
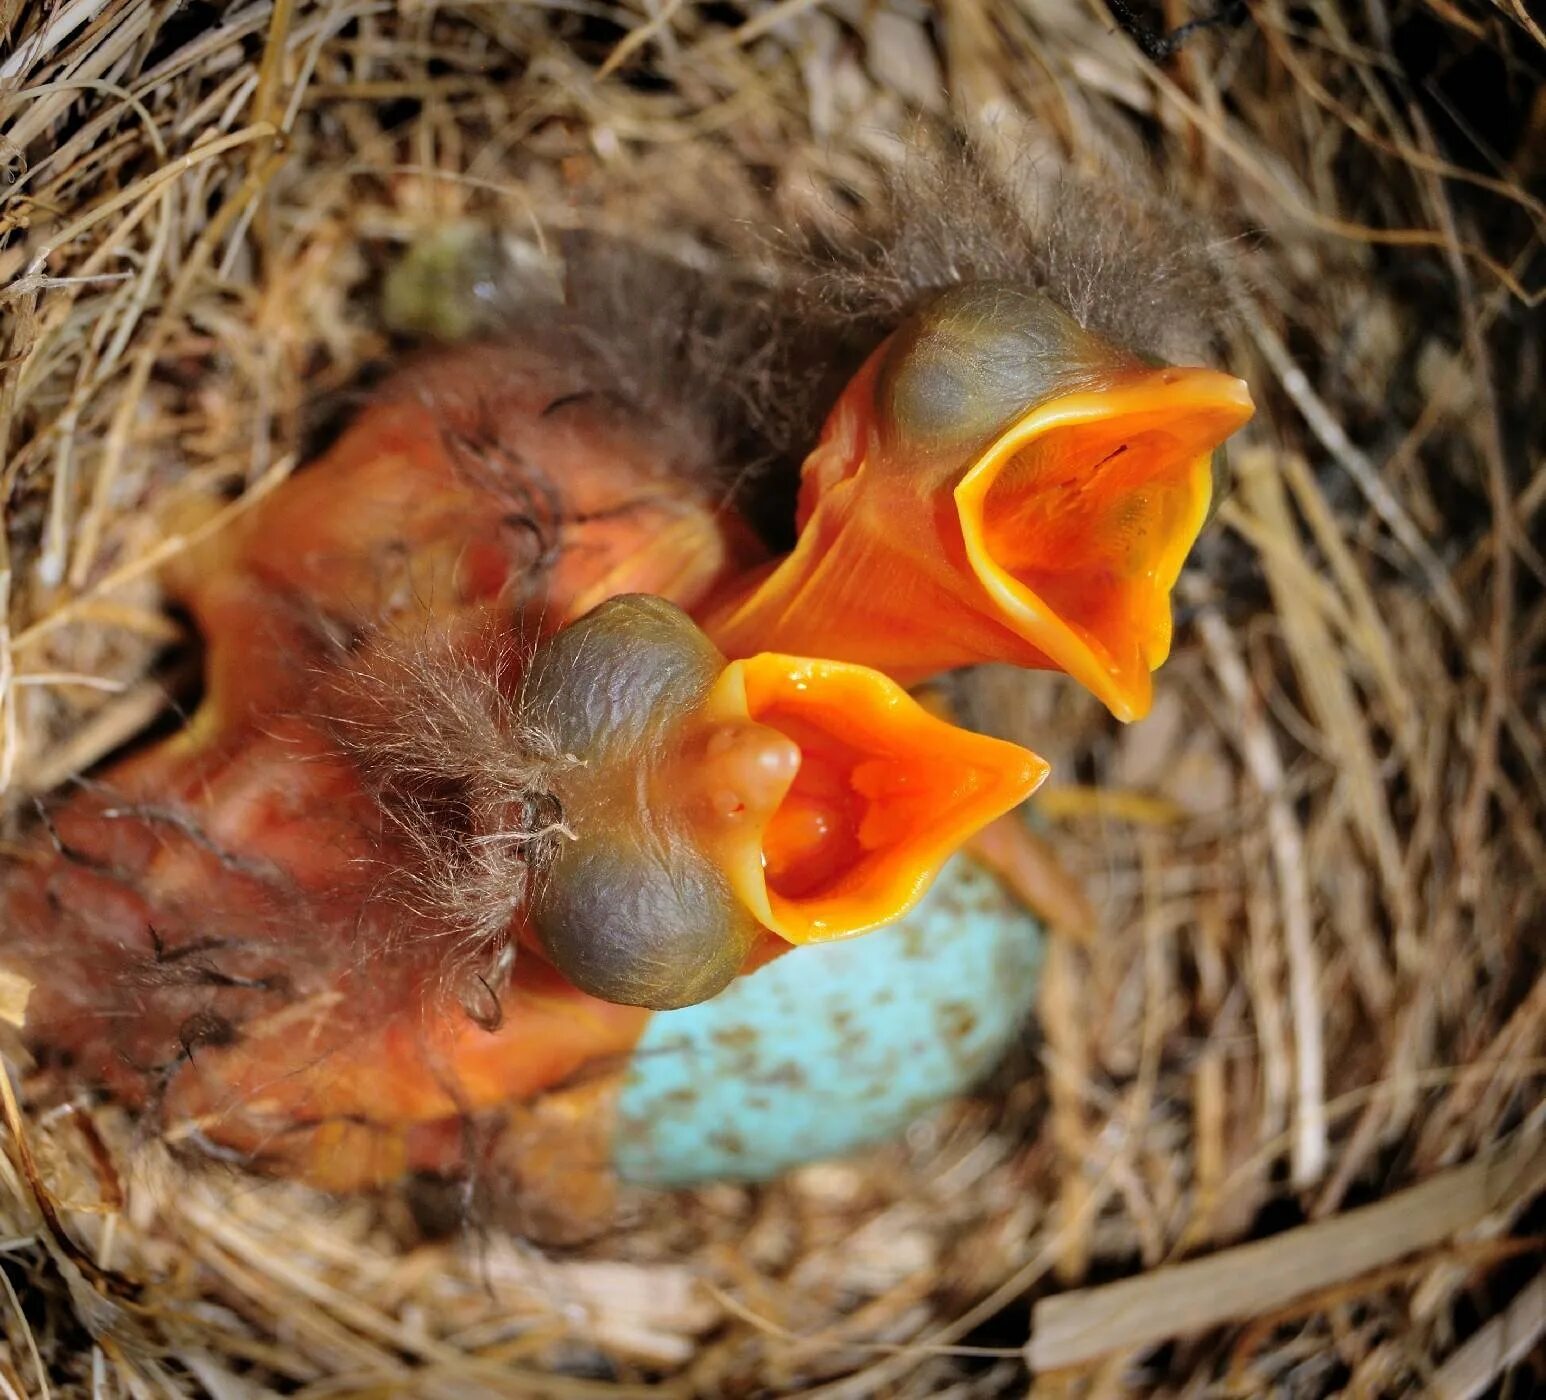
column 1111, row 249
column 738, row 376
column 462, row 778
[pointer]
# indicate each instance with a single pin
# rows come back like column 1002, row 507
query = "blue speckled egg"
column 834, row 1046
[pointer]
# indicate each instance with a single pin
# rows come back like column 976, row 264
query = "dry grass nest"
column 1313, row 1011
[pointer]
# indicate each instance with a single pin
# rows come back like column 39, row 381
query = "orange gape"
column 996, row 484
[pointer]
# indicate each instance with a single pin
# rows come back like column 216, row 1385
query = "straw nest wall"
column 1313, row 1008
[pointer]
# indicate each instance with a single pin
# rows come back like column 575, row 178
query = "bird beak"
column 1076, row 522
column 996, row 484
column 829, row 798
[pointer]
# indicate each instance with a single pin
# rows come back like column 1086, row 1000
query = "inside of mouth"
column 881, row 795
column 866, row 820
column 813, row 839
column 1095, row 519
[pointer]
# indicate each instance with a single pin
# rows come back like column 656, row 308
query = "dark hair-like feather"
column 738, row 375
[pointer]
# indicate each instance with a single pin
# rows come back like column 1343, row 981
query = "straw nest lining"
column 1316, row 981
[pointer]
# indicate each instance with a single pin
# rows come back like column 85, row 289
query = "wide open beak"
column 829, row 798
column 1076, row 522
column 996, row 484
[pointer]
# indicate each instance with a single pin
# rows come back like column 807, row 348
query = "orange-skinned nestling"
column 441, row 830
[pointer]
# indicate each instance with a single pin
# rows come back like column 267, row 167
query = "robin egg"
column 836, row 1046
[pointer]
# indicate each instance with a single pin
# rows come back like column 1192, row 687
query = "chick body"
column 251, row 928
column 485, row 477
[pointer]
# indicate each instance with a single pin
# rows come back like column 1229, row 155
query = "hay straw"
column 1317, row 868
column 1259, row 1279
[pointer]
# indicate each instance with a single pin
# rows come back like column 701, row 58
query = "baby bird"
column 997, row 483
column 1028, row 441
column 442, row 831
column 515, row 738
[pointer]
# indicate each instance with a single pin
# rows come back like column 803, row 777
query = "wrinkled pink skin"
column 211, row 933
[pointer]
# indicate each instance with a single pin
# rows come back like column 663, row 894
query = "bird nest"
column 1278, row 1124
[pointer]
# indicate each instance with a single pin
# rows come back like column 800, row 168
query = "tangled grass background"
column 1316, row 983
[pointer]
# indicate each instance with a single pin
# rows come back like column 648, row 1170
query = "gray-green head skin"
column 630, row 909
column 975, row 357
